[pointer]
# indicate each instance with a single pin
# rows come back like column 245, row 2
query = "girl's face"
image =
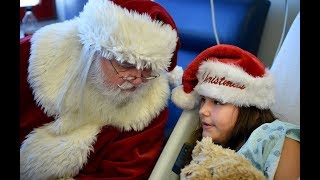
column 217, row 119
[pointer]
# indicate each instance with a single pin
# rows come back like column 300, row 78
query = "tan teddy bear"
column 212, row 161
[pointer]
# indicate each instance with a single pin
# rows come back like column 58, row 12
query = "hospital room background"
column 270, row 29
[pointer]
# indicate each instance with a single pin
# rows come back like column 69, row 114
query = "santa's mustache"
column 126, row 85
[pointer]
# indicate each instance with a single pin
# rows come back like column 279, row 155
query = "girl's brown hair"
column 249, row 119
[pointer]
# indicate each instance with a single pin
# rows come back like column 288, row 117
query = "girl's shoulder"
column 272, row 134
column 277, row 129
column 264, row 146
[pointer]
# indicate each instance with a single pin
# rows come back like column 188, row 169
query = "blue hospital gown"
column 264, row 146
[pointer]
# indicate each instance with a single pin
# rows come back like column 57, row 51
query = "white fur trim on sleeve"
column 45, row 155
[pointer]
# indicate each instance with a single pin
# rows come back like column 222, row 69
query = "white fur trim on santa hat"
column 215, row 80
column 175, row 76
column 127, row 35
column 184, row 100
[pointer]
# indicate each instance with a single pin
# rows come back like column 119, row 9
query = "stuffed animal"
column 212, row 161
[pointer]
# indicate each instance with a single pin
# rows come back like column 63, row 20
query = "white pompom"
column 184, row 100
column 175, row 76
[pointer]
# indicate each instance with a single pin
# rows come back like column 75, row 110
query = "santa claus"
column 102, row 79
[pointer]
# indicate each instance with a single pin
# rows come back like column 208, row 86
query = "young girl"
column 234, row 92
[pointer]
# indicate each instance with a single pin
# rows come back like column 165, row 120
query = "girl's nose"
column 205, row 109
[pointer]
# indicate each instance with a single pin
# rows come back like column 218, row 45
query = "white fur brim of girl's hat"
column 228, row 74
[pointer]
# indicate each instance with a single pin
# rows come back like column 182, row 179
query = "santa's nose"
column 137, row 73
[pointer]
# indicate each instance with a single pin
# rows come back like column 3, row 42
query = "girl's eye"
column 214, row 101
column 217, row 102
column 202, row 99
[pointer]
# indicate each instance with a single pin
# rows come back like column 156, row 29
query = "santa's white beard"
column 116, row 94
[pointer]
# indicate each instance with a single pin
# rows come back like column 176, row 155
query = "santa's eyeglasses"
column 131, row 78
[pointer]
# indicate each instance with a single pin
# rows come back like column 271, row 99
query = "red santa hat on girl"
column 140, row 32
column 226, row 73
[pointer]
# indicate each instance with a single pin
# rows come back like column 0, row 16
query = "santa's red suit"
column 74, row 131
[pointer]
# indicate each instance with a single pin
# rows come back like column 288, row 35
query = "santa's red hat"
column 140, row 32
column 226, row 73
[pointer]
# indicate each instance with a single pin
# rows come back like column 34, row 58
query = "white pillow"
column 286, row 70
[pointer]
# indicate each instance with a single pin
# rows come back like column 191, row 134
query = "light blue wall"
column 273, row 28
column 67, row 9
